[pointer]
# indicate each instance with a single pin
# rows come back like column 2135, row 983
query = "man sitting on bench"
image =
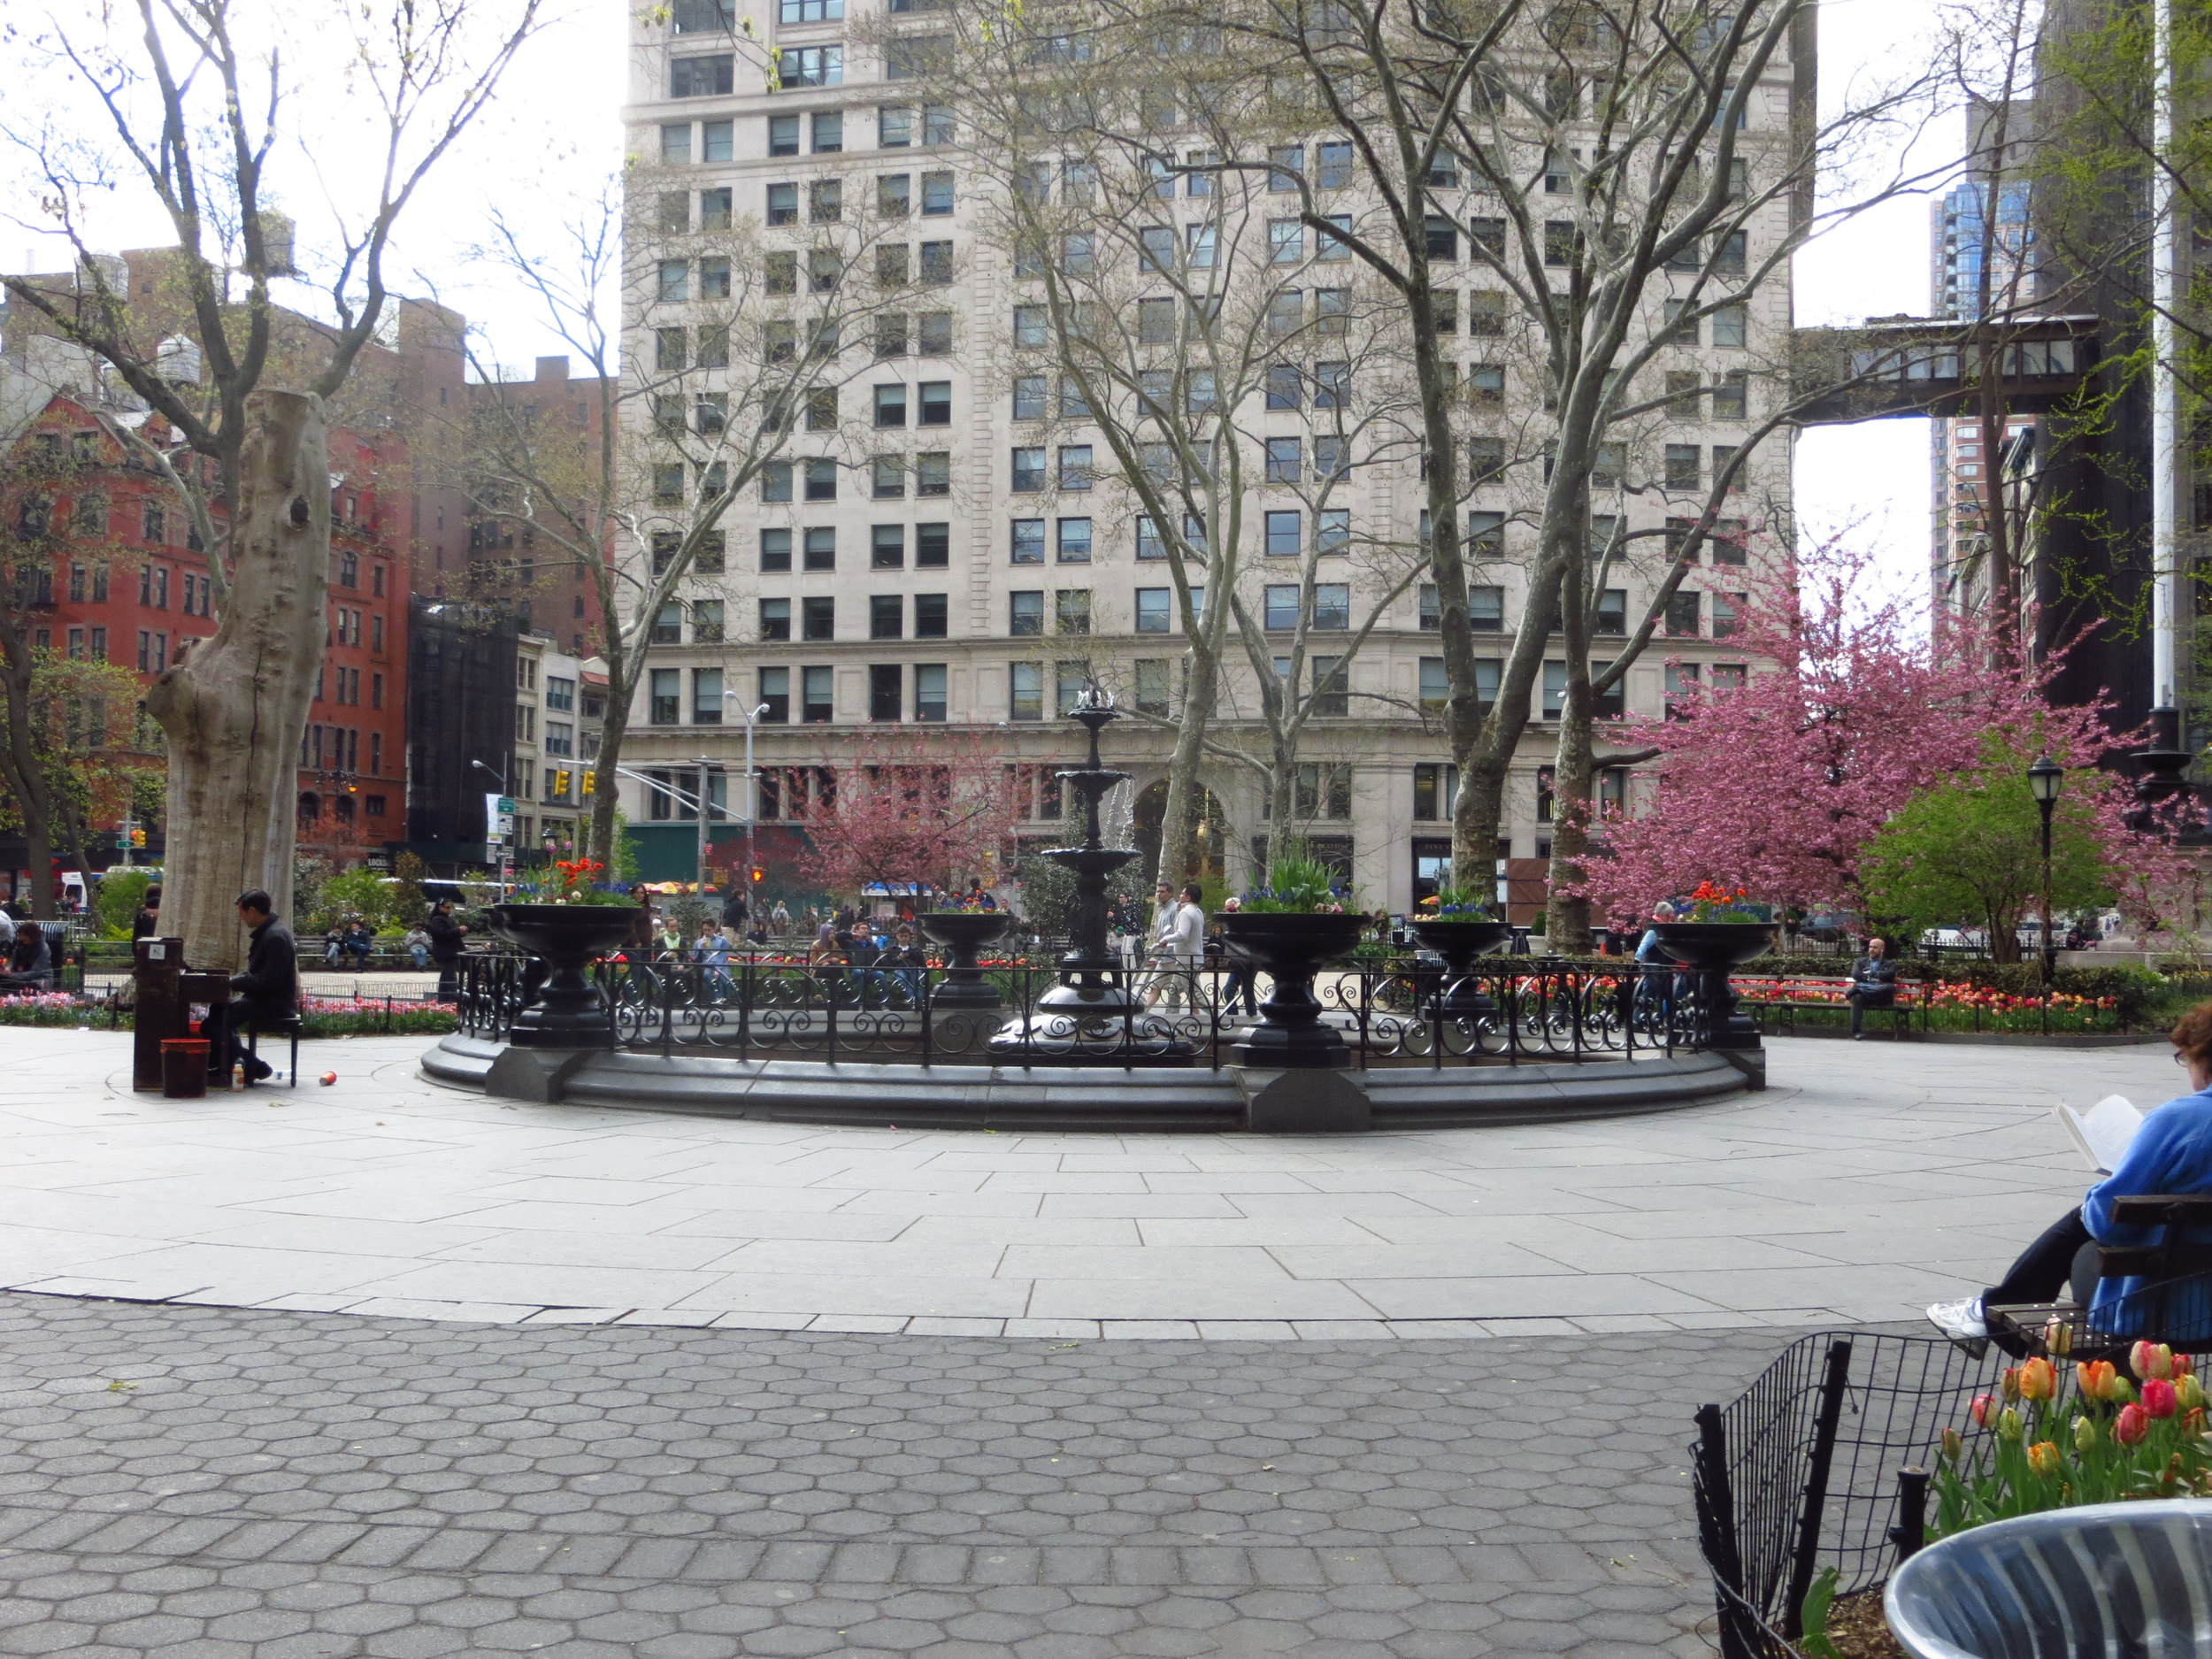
column 269, row 989
column 1873, row 984
column 2169, row 1156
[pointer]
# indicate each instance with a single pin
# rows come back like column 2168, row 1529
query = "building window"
column 1027, row 544
column 775, row 619
column 1152, row 686
column 1285, row 536
column 667, row 695
column 890, row 406
column 886, row 616
column 1485, row 610
column 810, row 66
column 1432, row 614
column 818, row 619
column 820, row 543
column 1682, row 616
column 815, row 693
column 1073, row 546
column 929, row 691
column 1025, row 613
column 775, row 550
column 1026, row 690
column 775, row 691
column 1069, row 680
column 668, row 624
column 1682, row 683
column 936, row 404
column 1612, row 612
column 1435, row 790
column 1332, row 689
column 1075, row 467
column 1071, row 611
column 1028, row 472
column 887, row 691
column 930, row 619
column 1436, row 686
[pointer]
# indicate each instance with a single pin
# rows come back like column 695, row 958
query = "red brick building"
column 129, row 585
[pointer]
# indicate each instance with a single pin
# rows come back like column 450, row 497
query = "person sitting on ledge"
column 269, row 989
column 2169, row 1154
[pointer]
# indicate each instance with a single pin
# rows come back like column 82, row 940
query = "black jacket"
column 445, row 936
column 1874, row 976
column 272, row 978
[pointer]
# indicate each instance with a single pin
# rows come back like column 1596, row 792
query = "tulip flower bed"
column 2038, row 1446
column 1950, row 1005
column 320, row 1016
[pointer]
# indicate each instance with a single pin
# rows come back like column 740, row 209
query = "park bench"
column 1786, row 998
column 2171, row 1306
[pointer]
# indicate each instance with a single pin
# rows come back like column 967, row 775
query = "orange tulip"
column 2043, row 1458
column 2009, row 1384
column 2094, row 1379
column 2038, row 1382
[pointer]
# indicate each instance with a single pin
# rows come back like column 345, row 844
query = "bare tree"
column 195, row 111
column 1184, row 316
column 1618, row 176
column 741, row 336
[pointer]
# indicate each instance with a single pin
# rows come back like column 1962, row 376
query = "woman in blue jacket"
column 2171, row 1153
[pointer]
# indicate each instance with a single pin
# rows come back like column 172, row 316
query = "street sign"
column 499, row 816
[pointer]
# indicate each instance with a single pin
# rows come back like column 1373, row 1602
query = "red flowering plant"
column 572, row 881
column 1714, row 903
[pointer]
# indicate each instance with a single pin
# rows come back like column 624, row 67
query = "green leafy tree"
column 1969, row 852
column 118, row 899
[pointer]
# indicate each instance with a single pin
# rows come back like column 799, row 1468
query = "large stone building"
column 982, row 597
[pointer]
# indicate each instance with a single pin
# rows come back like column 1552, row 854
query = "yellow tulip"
column 2084, row 1435
column 2043, row 1458
column 2038, row 1382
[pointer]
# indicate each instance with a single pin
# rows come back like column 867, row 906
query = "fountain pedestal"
column 1091, row 1018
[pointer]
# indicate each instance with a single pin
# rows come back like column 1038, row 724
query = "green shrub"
column 118, row 901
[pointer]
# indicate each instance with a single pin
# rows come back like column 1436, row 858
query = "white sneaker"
column 1961, row 1321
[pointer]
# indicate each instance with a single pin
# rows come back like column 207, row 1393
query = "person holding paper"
column 1873, row 984
column 2171, row 1154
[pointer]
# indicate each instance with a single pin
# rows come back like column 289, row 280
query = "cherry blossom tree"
column 913, row 811
column 1779, row 785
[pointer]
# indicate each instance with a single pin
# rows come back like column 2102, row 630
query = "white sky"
column 555, row 132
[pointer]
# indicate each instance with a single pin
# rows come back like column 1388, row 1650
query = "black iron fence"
column 1519, row 1009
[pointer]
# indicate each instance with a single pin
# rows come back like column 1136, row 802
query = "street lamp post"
column 752, row 718
column 501, row 779
column 2046, row 779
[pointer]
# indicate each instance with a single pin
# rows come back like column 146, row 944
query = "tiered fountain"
column 1090, row 1017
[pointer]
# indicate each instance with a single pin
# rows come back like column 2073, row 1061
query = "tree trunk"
column 1567, row 916
column 26, row 779
column 1183, row 784
column 606, row 799
column 1281, row 800
column 236, row 707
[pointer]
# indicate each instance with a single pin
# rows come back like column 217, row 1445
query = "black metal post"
column 1911, row 1531
column 1838, row 1378
column 1716, row 1530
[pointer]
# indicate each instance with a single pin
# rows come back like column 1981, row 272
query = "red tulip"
column 1984, row 1406
column 2158, row 1397
column 2151, row 1359
column 2132, row 1424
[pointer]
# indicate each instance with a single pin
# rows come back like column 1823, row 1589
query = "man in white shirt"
column 1179, row 942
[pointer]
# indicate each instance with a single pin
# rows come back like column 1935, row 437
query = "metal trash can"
column 184, row 1067
column 2105, row 1579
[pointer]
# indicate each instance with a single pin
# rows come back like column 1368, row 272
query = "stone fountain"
column 1091, row 1018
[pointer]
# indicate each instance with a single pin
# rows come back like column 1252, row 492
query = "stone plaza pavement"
column 513, row 1383
column 1871, row 1179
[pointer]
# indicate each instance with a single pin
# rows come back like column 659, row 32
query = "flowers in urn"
column 1297, row 886
column 1458, row 905
column 572, row 881
column 1715, row 903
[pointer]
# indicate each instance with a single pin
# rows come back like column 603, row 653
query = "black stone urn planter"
column 1708, row 950
column 1459, row 943
column 569, row 1013
column 1290, row 949
column 962, row 934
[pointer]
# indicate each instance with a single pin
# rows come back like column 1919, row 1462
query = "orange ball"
column 329, row 1077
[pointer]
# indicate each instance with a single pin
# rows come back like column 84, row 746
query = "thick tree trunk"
column 26, row 779
column 1183, row 782
column 606, row 798
column 1567, row 916
column 1485, row 759
column 235, row 708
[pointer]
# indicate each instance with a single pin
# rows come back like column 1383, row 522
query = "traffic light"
column 138, row 838
column 560, row 782
column 591, row 782
column 759, row 874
